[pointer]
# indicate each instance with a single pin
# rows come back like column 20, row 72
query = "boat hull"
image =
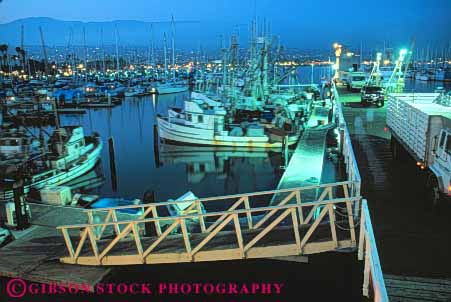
column 169, row 90
column 60, row 177
column 195, row 136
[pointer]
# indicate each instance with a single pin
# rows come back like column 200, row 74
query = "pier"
column 243, row 231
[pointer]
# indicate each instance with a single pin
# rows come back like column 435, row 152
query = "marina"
column 322, row 171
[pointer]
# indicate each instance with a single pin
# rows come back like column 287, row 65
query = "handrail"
column 223, row 197
column 212, row 214
column 372, row 263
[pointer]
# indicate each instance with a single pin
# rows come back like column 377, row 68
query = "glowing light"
column 386, row 62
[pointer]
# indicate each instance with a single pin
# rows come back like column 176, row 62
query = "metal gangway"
column 306, row 220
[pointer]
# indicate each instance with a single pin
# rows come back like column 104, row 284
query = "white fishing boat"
column 422, row 77
column 206, row 122
column 170, row 87
column 70, row 155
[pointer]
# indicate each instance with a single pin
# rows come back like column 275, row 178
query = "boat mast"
column 117, row 51
column 103, row 51
column 86, row 55
column 173, row 48
column 165, row 55
column 44, row 51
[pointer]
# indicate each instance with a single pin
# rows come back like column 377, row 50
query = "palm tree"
column 3, row 51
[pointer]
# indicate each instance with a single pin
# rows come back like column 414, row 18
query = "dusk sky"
column 299, row 22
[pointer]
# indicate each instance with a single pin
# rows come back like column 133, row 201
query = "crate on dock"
column 61, row 195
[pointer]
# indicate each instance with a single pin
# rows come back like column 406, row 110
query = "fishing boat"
column 204, row 121
column 170, row 87
column 14, row 142
column 70, row 154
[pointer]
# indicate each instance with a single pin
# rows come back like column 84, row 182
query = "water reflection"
column 206, row 172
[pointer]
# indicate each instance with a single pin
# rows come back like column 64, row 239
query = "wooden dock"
column 36, row 252
column 416, row 289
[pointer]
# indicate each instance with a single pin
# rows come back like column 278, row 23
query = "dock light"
column 418, row 163
column 422, row 167
column 449, row 188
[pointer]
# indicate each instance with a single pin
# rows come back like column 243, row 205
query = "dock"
column 306, row 163
column 334, row 218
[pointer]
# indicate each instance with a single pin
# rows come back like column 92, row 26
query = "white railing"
column 366, row 251
column 336, row 215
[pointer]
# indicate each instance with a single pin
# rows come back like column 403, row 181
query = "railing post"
column 362, row 232
column 248, row 212
column 298, row 202
column 186, row 237
column 157, row 222
column 201, row 218
column 367, row 269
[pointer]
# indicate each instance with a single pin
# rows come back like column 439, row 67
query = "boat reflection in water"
column 241, row 170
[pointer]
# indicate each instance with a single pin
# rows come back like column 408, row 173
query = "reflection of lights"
column 403, row 52
column 349, row 54
column 334, row 66
column 378, row 56
column 386, row 62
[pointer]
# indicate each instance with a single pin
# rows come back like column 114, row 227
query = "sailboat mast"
column 165, row 55
column 173, row 48
column 103, row 51
column 117, row 51
column 86, row 55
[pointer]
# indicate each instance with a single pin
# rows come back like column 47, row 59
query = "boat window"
column 200, row 118
column 189, row 117
column 442, row 139
column 448, row 145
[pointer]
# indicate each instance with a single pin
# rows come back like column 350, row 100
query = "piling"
column 156, row 150
column 150, row 230
column 112, row 164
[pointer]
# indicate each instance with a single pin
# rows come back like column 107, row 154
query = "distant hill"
column 189, row 34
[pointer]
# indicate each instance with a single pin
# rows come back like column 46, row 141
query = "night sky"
column 301, row 23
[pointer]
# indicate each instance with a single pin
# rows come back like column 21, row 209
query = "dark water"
column 178, row 169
